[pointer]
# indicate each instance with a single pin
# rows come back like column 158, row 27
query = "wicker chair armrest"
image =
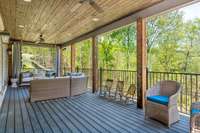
column 153, row 91
column 194, row 116
column 173, row 99
column 195, row 105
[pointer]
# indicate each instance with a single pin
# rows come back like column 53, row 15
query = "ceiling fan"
column 40, row 39
column 92, row 3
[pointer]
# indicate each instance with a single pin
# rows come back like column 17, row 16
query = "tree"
column 191, row 32
column 126, row 38
column 83, row 54
column 106, row 52
column 163, row 29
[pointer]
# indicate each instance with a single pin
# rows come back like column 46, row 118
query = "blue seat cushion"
column 195, row 111
column 164, row 100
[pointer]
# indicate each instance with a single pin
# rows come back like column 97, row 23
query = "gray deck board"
column 18, row 118
column 31, row 113
column 106, row 121
column 63, row 127
column 65, row 119
column 87, row 126
column 45, row 126
column 10, row 125
column 86, row 113
column 4, row 112
column 89, row 121
column 68, row 115
column 136, row 119
column 25, row 116
column 120, row 117
column 54, row 126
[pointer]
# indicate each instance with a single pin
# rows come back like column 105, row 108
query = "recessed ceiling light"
column 95, row 19
column 27, row 0
column 20, row 26
column 69, row 34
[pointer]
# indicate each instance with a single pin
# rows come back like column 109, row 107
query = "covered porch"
column 84, row 113
column 60, row 24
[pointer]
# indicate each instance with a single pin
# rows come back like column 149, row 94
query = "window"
column 38, row 59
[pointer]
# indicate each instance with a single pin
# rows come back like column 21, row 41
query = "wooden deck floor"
column 85, row 113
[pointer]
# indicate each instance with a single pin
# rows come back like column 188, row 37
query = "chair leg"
column 115, row 95
column 104, row 93
column 120, row 98
column 126, row 101
column 168, row 125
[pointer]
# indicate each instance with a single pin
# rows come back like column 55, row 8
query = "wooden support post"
column 58, row 61
column 73, row 56
column 9, row 50
column 94, row 64
column 141, row 62
column 61, row 62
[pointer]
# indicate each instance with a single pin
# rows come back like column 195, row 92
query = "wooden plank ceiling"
column 62, row 20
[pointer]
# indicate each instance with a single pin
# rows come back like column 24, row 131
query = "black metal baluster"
column 191, row 90
column 186, row 88
column 197, row 86
column 181, row 101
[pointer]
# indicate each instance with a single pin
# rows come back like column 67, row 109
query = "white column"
column 3, row 70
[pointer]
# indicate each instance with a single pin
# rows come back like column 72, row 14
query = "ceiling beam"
column 30, row 43
column 158, row 8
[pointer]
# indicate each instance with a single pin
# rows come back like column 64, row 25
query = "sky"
column 192, row 11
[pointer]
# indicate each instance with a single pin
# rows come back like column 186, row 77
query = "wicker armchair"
column 119, row 89
column 107, row 87
column 161, row 102
column 195, row 118
column 129, row 95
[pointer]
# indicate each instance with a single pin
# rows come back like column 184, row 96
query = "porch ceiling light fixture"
column 27, row 0
column 20, row 26
column 5, row 37
column 69, row 34
column 95, row 19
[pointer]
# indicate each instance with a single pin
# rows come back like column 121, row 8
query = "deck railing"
column 190, row 83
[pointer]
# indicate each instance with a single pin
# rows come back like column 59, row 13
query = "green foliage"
column 117, row 49
column 173, row 44
column 67, row 58
column 83, row 54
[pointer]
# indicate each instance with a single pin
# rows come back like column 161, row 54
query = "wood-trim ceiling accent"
column 29, row 43
column 56, row 20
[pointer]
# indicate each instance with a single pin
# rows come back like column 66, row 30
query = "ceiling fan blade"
column 37, row 42
column 82, row 1
column 95, row 6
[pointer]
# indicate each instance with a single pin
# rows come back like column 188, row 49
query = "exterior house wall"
column 3, row 71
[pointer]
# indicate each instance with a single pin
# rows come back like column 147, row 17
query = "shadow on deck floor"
column 84, row 113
